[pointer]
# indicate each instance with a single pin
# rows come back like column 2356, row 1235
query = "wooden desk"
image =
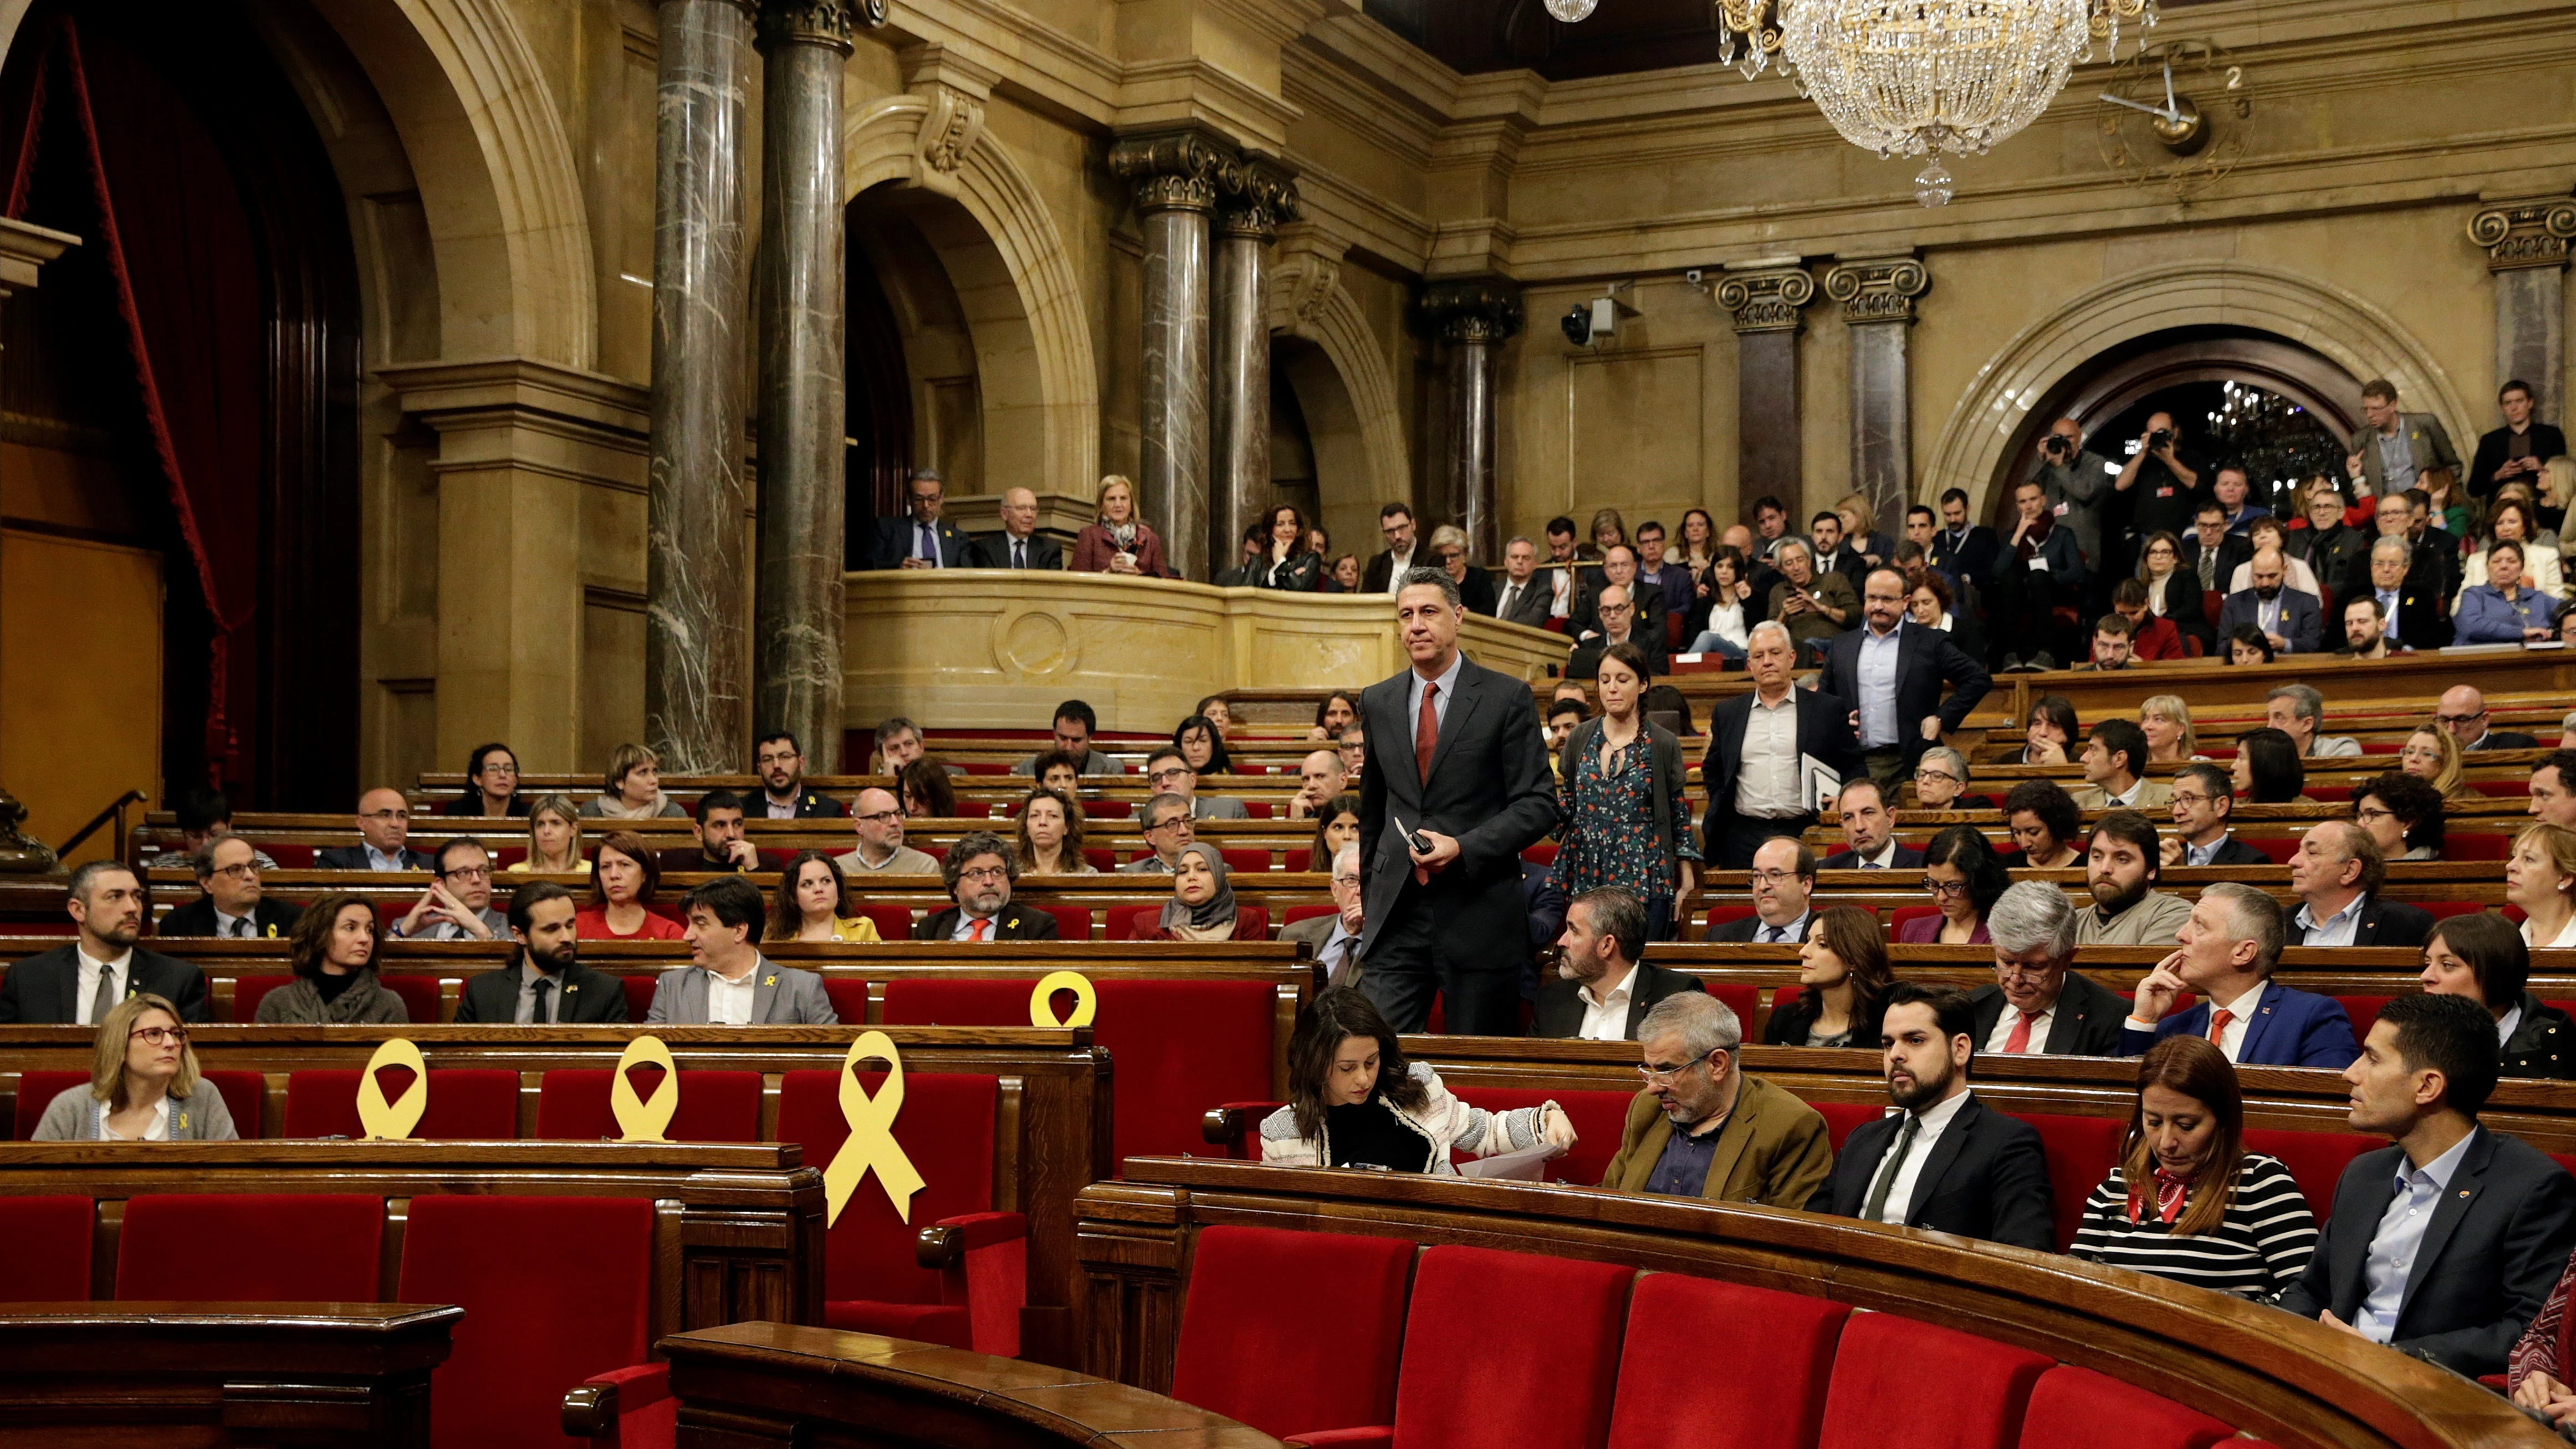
column 310, row 1374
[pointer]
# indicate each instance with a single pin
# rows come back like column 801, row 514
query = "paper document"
column 1819, row 784
column 1522, row 1166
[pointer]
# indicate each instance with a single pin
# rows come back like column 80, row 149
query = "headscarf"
column 1211, row 921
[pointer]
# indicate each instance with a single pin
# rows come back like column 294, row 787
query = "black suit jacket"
column 354, row 857
column 2184, row 604
column 1380, row 574
column 1585, row 613
column 588, row 997
column 1585, row 661
column 2497, row 1243
column 894, row 538
column 2546, row 443
column 1016, row 923
column 2086, row 1022
column 197, row 918
column 1537, row 600
column 1925, row 660
column 1906, row 858
column 811, row 804
column 2507, row 740
column 1743, row 928
column 2383, row 923
column 2236, row 852
column 1986, row 1178
column 2232, row 550
column 1824, row 731
column 1973, row 558
column 39, row 991
column 994, row 552
column 1557, row 1011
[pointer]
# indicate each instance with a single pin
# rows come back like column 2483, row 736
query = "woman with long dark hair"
column 1285, row 562
column 927, row 795
column 1354, row 1101
column 813, row 904
column 1843, row 979
column 1202, row 745
column 1336, row 825
column 1624, row 820
column 2267, row 769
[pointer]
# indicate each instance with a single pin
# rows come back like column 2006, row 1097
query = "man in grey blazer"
column 1525, row 594
column 728, row 982
column 2412, row 442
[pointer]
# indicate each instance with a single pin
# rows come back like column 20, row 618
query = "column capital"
column 1263, row 195
column 1878, row 289
column 827, row 23
column 1767, row 298
column 1176, row 170
column 1484, row 309
column 2527, row 233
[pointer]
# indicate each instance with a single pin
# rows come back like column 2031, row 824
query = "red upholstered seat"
column 1101, row 857
column 48, row 1256
column 2443, row 910
column 243, row 1093
column 572, row 1104
column 2503, row 789
column 2316, row 1159
column 248, row 1247
column 2476, row 847
column 1293, row 1333
column 1072, row 923
column 2278, row 849
column 1743, row 999
column 2334, row 793
column 36, row 1091
column 473, row 1103
column 2080, row 1153
column 1479, row 1323
column 893, row 923
column 289, row 857
column 1543, row 853
column 639, row 995
column 2074, row 1408
column 2363, row 1010
column 1255, row 861
column 849, row 998
column 1598, row 1118
column 1294, row 914
column 1843, row 1118
column 1950, row 1390
column 536, row 1323
column 1778, row 1353
column 1720, row 915
column 1896, row 922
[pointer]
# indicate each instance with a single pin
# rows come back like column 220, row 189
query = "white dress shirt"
column 234, row 926
column 2506, row 1026
column 2240, row 1016
column 87, row 995
column 159, row 1131
column 1790, row 933
column 1395, row 574
column 2566, row 937
column 2384, row 1273
column 1877, row 676
column 2337, row 929
column 1883, row 859
column 2040, row 1026
column 1511, row 595
column 1605, row 1014
column 1562, row 583
column 1900, row 1193
column 729, row 1003
column 1766, row 771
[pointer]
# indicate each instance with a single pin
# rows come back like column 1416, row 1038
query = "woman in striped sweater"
column 2186, row 1200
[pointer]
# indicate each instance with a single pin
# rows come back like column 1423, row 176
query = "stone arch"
column 1344, row 388
column 938, row 145
column 1994, row 412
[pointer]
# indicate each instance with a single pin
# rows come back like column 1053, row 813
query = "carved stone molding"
column 812, row 22
column 954, row 123
column 1769, row 300
column 2518, row 234
column 1176, row 171
column 1304, row 272
column 1484, row 310
column 1880, row 289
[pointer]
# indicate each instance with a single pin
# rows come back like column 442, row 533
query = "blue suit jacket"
column 2300, row 617
column 2291, row 1028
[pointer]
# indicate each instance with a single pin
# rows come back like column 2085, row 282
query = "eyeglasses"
column 467, row 872
column 2461, row 719
column 1181, row 821
column 984, row 873
column 247, row 870
column 2018, row 971
column 1660, row 1076
column 159, row 1035
column 1617, row 608
column 1172, row 773
column 880, row 817
column 2372, row 814
column 2191, row 797
column 1775, row 877
column 383, row 815
column 1936, row 777
column 1945, row 887
column 1351, row 881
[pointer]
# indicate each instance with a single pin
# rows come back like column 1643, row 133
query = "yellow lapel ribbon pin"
column 871, row 1141
column 639, row 1120
column 1086, row 1002
column 393, row 1123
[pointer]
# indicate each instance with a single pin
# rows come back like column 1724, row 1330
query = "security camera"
column 1695, row 277
column 1577, row 323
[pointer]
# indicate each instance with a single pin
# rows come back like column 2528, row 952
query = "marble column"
column 1475, row 319
column 1239, row 463
column 1768, row 301
column 2526, row 245
column 694, row 665
column 1177, row 178
column 1878, row 296
column 797, row 592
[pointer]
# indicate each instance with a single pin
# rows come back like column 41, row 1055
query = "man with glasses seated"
column 233, row 905
column 1698, row 1106
column 2204, row 801
column 458, row 904
column 1168, row 831
column 1784, row 877
column 2037, row 1005
column 1939, row 779
column 1620, row 624
column 979, row 873
column 384, row 824
column 879, row 821
column 1170, row 774
column 1334, row 940
column 2463, row 711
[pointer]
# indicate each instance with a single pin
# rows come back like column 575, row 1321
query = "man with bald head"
column 1320, row 777
column 2463, row 712
column 384, row 825
column 2337, row 874
column 1017, row 546
column 878, row 817
column 1619, row 625
column 2287, row 616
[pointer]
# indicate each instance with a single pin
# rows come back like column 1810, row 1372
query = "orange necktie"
column 2019, row 1041
column 2218, row 1021
column 980, row 929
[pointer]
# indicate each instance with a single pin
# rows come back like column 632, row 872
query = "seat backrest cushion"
column 464, row 1103
column 1948, row 1390
column 962, row 1003
column 2316, row 1159
column 2080, row 1152
column 2076, row 1408
column 1179, row 1048
column 1844, row 1118
column 48, row 1256
column 945, row 1127
column 1481, row 1326
column 715, row 1106
column 1293, row 1332
column 1599, row 1119
column 37, row 1091
column 1756, row 1362
column 249, row 1247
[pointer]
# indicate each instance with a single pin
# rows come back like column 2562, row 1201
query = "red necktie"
column 2019, row 1041
column 2218, row 1021
column 1426, row 733
column 980, row 929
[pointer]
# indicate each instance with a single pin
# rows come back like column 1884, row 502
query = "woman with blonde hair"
column 2540, row 877
column 143, row 1084
column 1860, row 529
column 1119, row 542
column 2166, row 720
column 2433, row 754
column 554, row 839
column 1050, row 836
column 813, row 904
column 1609, row 531
column 633, row 788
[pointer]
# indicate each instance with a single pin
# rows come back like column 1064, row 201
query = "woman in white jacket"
column 1354, row 1101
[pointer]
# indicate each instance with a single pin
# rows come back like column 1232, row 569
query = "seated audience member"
column 333, row 956
column 1618, row 569
column 1964, row 877
column 2267, row 769
column 728, row 982
column 2414, row 610
column 2050, row 738
column 1812, row 607
column 780, row 762
column 2204, row 809
column 1869, row 832
column 1320, row 778
column 1215, row 711
column 1169, row 774
column 491, row 784
column 1784, row 876
column 2174, row 592
column 384, row 825
column 1353, row 742
column 2336, row 875
column 2286, row 617
column 1602, row 990
column 926, row 792
column 2037, row 1005
column 204, row 814
column 1449, row 555
column 2463, row 711
column 2152, row 636
column 1619, row 625
column 978, row 874
column 458, row 904
column 621, row 888
column 2401, row 814
column 2246, row 644
column 2365, row 630
column 2431, row 754
column 1524, row 593
column 1991, row 1181
column 1017, row 546
column 1075, row 724
column 1202, row 903
column 1334, row 714
column 2121, row 868
column 922, row 539
column 1168, row 832
column 143, row 1084
column 1336, row 825
column 899, row 743
column 545, row 982
column 1939, row 779
column 2298, row 711
column 1937, row 601
column 231, row 903
column 2269, row 534
column 1563, row 716
column 2230, row 947
column 2483, row 958
column 1050, row 835
column 1117, row 541
column 879, row 822
column 2540, row 879
column 813, row 904
column 723, row 843
column 632, row 789
column 2505, row 1214
column 2165, row 719
column 1202, row 744
column 2115, row 771
column 2187, row 1200
column 1354, row 1101
column 2553, row 790
column 1698, row 1103
column 1730, row 610
column 2512, row 520
column 554, row 839
column 2505, row 609
column 2113, row 639
column 1843, row 979
column 2045, row 823
column 1333, row 941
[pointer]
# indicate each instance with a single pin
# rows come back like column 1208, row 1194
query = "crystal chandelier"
column 1920, row 77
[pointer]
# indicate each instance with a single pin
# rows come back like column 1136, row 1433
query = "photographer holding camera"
column 2075, row 481
column 2162, row 489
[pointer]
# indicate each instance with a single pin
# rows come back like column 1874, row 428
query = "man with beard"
column 781, row 761
column 2036, row 1005
column 2121, row 870
column 979, row 871
column 79, row 983
column 1699, row 1108
column 2287, row 616
column 1942, row 1161
column 545, row 985
column 1602, row 991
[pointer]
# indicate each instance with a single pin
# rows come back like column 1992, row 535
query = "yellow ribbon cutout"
column 392, row 1123
column 639, row 1120
column 871, row 1141
column 1086, row 1002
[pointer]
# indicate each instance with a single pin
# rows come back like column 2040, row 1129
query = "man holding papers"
column 1771, row 752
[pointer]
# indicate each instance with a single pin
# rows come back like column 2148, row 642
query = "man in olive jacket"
column 1702, row 1128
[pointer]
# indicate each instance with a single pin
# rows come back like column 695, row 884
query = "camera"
column 2054, row 445
column 1694, row 276
column 2159, row 438
column 1578, row 325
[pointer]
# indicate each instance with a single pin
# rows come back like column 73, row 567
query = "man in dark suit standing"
column 1395, row 524
column 1869, row 832
column 546, row 985
column 978, row 871
column 384, row 830
column 1455, row 786
column 77, row 984
column 1758, row 743
column 233, row 904
column 1017, row 546
column 1943, row 1161
column 2486, row 1221
column 922, row 541
column 2037, row 1005
column 1602, row 990
column 1894, row 669
column 2210, row 553
column 2337, row 874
